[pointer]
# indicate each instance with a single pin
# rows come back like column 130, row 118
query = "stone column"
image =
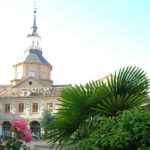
column 13, row 108
column 28, row 108
column 0, row 128
column 41, row 108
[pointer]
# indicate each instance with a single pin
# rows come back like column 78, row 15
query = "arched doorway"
column 6, row 129
column 35, row 129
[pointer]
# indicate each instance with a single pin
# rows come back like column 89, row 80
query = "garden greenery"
column 130, row 130
column 83, row 108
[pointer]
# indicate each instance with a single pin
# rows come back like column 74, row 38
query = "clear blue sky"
column 82, row 39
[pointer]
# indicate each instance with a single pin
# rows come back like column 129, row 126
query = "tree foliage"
column 46, row 118
column 82, row 105
column 130, row 130
column 46, row 121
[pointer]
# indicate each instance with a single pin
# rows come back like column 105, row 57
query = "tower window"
column 31, row 74
column 21, row 107
column 7, row 108
column 35, row 107
column 30, row 82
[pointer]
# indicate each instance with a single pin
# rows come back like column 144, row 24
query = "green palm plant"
column 125, row 89
column 122, row 90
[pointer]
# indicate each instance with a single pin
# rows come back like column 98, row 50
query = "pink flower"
column 21, row 127
column 27, row 136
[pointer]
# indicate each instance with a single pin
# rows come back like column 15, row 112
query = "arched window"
column 6, row 129
column 35, row 129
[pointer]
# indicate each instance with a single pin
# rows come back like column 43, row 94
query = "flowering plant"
column 21, row 133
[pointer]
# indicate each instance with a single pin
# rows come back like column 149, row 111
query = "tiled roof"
column 32, row 58
column 35, row 56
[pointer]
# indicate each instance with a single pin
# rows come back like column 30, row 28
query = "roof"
column 2, row 87
column 35, row 56
column 32, row 58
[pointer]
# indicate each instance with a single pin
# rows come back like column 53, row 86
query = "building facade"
column 31, row 90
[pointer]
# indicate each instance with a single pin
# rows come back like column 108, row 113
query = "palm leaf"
column 122, row 90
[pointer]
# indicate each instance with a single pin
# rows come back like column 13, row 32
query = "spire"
column 34, row 37
column 34, row 27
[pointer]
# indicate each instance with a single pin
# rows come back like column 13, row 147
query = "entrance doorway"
column 35, row 129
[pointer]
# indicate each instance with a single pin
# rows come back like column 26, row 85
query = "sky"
column 82, row 39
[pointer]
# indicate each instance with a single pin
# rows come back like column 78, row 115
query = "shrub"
column 130, row 130
column 21, row 133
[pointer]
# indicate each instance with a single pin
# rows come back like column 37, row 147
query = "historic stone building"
column 32, row 90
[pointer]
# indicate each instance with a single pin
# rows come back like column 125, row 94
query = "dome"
column 35, row 56
column 32, row 58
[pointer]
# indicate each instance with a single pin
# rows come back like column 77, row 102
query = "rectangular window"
column 35, row 107
column 21, row 107
column 7, row 108
column 50, row 106
column 31, row 74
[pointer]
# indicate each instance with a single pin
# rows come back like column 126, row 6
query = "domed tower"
column 35, row 65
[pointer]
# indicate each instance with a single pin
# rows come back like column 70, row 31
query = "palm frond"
column 122, row 90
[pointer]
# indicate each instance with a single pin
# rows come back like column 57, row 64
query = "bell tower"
column 34, row 65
